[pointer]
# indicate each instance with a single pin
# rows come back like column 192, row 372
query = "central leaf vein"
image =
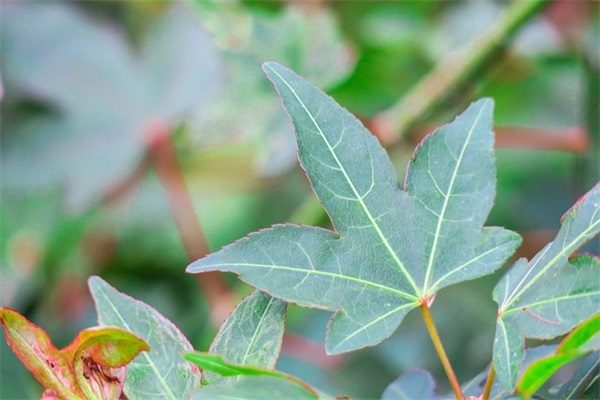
column 352, row 187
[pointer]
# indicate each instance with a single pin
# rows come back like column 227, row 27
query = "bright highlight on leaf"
column 393, row 247
column 550, row 294
column 92, row 366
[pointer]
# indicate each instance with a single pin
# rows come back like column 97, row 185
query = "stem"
column 437, row 343
column 487, row 390
column 164, row 159
column 454, row 73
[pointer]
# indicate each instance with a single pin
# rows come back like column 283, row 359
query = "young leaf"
column 100, row 355
column 91, row 366
column 414, row 385
column 252, row 334
column 36, row 351
column 581, row 340
column 161, row 372
column 392, row 248
column 549, row 295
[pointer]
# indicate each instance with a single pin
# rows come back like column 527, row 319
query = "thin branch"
column 437, row 343
column 164, row 159
column 454, row 73
column 487, row 390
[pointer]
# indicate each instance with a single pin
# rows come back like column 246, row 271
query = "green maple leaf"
column 392, row 248
column 550, row 294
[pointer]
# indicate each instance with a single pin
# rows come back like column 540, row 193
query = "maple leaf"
column 550, row 294
column 393, row 248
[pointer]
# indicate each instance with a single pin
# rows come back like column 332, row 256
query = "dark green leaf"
column 392, row 248
column 252, row 334
column 549, row 295
column 415, row 385
column 160, row 373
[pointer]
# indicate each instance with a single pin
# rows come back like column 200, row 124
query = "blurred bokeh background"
column 138, row 135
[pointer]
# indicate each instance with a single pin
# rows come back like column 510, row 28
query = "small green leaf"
column 549, row 295
column 582, row 339
column 252, row 334
column 258, row 388
column 161, row 372
column 215, row 363
column 414, row 385
column 393, row 247
column 36, row 351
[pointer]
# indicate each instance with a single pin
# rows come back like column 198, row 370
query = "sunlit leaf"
column 581, row 340
column 36, row 351
column 414, row 385
column 550, row 294
column 161, row 372
column 393, row 247
column 252, row 334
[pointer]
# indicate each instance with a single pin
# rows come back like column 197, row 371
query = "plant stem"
column 164, row 158
column 454, row 73
column 437, row 343
column 487, row 390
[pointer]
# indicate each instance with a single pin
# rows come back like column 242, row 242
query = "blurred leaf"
column 551, row 294
column 582, row 339
column 258, row 388
column 382, row 262
column 106, row 94
column 161, row 372
column 252, row 335
column 307, row 40
column 414, row 385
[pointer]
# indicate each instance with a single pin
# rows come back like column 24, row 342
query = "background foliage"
column 87, row 87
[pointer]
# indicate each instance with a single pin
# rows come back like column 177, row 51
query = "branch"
column 454, row 73
column 164, row 159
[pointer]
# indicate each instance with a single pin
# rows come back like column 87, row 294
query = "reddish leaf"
column 100, row 355
column 36, row 351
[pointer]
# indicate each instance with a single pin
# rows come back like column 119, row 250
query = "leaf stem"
column 487, row 390
column 437, row 343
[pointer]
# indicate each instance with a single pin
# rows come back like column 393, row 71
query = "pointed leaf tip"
column 390, row 247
